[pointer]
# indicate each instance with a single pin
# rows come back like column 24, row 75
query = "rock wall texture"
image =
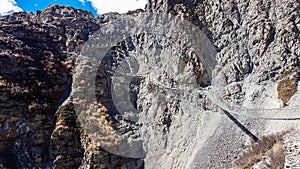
column 37, row 55
column 256, row 41
column 258, row 61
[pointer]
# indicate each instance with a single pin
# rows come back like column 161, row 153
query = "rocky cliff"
column 37, row 55
column 37, row 58
column 193, row 113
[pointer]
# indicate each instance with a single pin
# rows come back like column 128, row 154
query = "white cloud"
column 8, row 7
column 121, row 6
column 82, row 2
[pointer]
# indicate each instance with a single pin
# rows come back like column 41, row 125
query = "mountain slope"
column 181, row 120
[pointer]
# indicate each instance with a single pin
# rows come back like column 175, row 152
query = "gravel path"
column 292, row 143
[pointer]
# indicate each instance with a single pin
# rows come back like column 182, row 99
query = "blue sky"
column 95, row 6
column 33, row 5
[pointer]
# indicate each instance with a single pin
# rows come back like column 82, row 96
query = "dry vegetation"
column 286, row 89
column 269, row 149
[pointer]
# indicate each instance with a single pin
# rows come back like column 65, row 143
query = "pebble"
column 292, row 143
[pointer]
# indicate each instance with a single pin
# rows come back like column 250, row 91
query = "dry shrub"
column 286, row 89
column 277, row 156
column 267, row 147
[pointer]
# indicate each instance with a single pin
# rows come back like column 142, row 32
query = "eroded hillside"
column 189, row 105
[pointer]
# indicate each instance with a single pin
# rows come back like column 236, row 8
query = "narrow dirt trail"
column 288, row 113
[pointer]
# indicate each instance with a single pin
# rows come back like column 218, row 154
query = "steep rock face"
column 66, row 149
column 258, row 65
column 256, row 41
column 37, row 58
column 36, row 61
column 165, row 104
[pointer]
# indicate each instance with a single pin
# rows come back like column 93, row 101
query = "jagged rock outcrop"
column 37, row 58
column 36, row 74
column 256, row 41
column 258, row 63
